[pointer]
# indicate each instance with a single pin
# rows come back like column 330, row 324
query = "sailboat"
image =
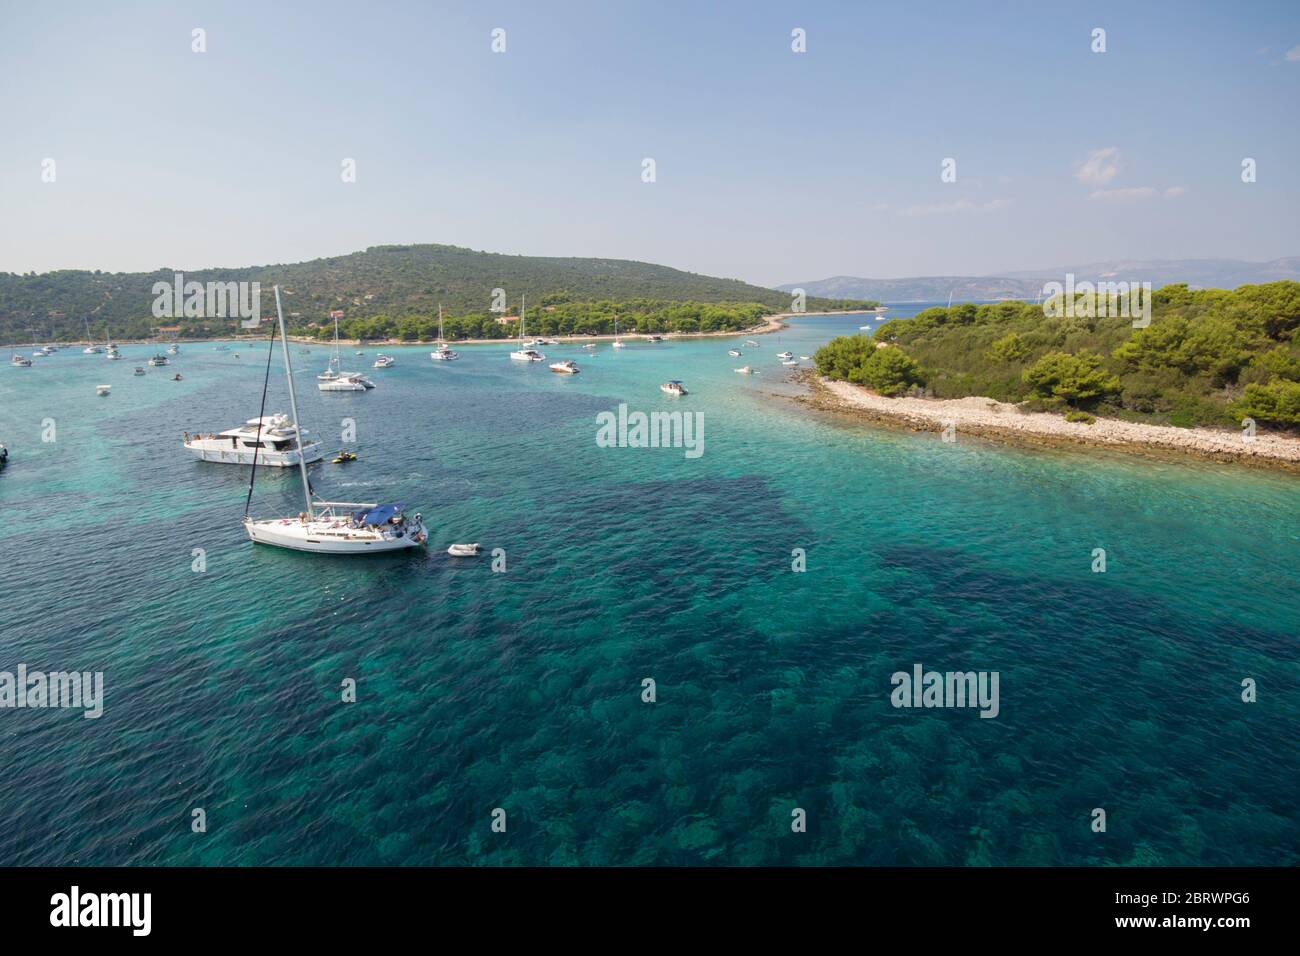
column 442, row 353
column 524, row 353
column 92, row 348
column 330, row 527
column 334, row 379
column 617, row 343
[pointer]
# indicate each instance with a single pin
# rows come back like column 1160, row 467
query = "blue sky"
column 771, row 166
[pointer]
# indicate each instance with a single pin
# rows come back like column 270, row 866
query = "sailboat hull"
column 330, row 537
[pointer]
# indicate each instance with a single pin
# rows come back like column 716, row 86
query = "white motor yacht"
column 272, row 439
column 384, row 361
column 159, row 360
column 20, row 361
column 103, row 389
column 674, row 388
column 565, row 367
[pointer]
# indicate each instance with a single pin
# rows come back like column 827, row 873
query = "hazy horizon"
column 771, row 166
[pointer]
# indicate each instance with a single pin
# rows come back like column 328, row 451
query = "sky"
column 769, row 165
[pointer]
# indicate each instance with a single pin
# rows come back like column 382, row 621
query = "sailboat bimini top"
column 379, row 514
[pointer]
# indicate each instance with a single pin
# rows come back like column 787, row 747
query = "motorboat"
column 790, row 361
column 590, row 346
column 673, row 388
column 20, row 361
column 271, row 439
column 139, row 370
column 549, row 341
column 464, row 550
column 654, row 338
column 565, row 367
column 384, row 361
column 103, row 389
column 527, row 355
column 734, row 353
column 745, row 370
column 343, row 457
column 176, row 377
column 159, row 360
column 804, row 358
column 351, row 382
column 751, row 343
column 785, row 355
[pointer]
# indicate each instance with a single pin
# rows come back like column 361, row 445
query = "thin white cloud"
column 960, row 206
column 1132, row 194
column 1099, row 168
column 1293, row 54
column 1173, row 192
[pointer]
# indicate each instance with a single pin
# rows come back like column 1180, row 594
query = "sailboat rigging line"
column 261, row 413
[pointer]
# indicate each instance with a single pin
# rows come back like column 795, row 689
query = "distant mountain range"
column 383, row 280
column 1197, row 273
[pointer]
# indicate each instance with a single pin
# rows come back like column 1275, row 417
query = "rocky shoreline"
column 1001, row 421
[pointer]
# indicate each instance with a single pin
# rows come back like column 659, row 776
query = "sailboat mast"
column 523, row 313
column 293, row 404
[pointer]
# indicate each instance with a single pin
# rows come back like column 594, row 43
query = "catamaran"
column 330, row 527
column 524, row 353
column 270, row 439
column 443, row 352
column 335, row 380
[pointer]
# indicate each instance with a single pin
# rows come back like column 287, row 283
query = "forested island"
column 1208, row 358
column 395, row 291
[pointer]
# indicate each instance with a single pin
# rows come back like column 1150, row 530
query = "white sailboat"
column 92, row 348
column 443, row 352
column 334, row 379
column 617, row 343
column 332, row 527
column 524, row 353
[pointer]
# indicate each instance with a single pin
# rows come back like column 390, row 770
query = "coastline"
column 1001, row 421
column 770, row 323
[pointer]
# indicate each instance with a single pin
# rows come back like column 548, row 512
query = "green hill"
column 377, row 290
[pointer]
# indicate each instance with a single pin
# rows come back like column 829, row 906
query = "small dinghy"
column 745, row 370
column 463, row 550
column 103, row 389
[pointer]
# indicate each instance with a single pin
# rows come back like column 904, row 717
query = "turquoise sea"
column 522, row 689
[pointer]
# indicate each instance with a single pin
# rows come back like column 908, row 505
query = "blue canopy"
column 378, row 514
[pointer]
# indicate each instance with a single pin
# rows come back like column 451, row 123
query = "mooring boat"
column 443, row 353
column 271, row 440
column 331, row 527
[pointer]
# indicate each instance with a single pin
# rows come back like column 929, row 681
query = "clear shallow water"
column 522, row 690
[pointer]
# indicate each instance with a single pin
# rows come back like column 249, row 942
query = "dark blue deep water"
column 522, row 689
